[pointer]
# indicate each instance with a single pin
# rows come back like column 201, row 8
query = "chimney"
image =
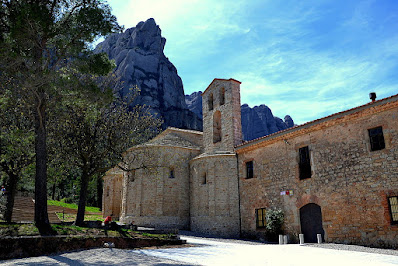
column 372, row 96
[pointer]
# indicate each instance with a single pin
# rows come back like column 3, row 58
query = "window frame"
column 305, row 169
column 393, row 222
column 249, row 169
column 376, row 139
column 263, row 221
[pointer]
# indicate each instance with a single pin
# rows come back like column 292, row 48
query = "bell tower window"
column 222, row 96
column 217, row 127
column 210, row 102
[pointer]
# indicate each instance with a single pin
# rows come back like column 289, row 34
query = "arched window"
column 210, row 102
column 217, row 127
column 222, row 96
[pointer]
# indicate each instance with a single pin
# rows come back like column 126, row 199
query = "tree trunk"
column 53, row 192
column 99, row 191
column 11, row 187
column 41, row 214
column 82, row 198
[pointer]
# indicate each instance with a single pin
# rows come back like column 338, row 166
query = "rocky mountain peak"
column 140, row 60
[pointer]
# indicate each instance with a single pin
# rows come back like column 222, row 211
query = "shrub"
column 274, row 222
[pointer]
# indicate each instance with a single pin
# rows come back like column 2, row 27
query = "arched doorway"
column 311, row 222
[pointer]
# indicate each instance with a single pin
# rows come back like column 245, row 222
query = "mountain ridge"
column 256, row 122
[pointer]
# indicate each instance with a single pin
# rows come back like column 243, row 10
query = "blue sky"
column 308, row 59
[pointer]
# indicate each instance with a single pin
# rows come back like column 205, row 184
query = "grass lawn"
column 71, row 206
column 91, row 214
column 68, row 217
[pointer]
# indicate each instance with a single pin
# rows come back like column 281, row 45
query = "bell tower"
column 214, row 180
column 222, row 128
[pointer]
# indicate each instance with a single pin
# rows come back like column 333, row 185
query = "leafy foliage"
column 274, row 221
column 38, row 39
column 16, row 145
column 94, row 133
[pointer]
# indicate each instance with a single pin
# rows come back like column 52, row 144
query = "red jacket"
column 108, row 219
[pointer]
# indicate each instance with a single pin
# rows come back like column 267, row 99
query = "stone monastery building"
column 336, row 176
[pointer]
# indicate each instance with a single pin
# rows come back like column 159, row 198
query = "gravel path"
column 98, row 256
column 194, row 235
column 216, row 251
column 392, row 252
column 219, row 251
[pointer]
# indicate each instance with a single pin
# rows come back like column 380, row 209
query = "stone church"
column 336, row 176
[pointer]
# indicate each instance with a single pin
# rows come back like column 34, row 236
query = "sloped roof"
column 175, row 137
column 216, row 79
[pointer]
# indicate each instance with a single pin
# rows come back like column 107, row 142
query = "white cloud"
column 292, row 56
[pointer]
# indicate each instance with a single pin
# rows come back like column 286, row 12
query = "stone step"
column 24, row 211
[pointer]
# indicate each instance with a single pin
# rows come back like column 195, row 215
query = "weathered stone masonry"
column 349, row 181
column 199, row 181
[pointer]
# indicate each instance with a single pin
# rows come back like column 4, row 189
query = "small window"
column 376, row 138
column 204, row 179
column 304, row 163
column 249, row 169
column 393, row 204
column 171, row 173
column 260, row 218
column 222, row 96
column 210, row 102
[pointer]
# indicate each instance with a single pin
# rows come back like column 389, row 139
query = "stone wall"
column 111, row 196
column 156, row 194
column 349, row 182
column 30, row 246
column 214, row 195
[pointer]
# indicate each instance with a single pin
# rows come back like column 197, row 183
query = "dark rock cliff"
column 256, row 122
column 139, row 58
column 259, row 121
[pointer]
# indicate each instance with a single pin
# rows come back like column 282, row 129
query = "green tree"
column 37, row 39
column 95, row 131
column 16, row 145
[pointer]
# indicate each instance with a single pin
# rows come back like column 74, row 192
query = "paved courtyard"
column 209, row 251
